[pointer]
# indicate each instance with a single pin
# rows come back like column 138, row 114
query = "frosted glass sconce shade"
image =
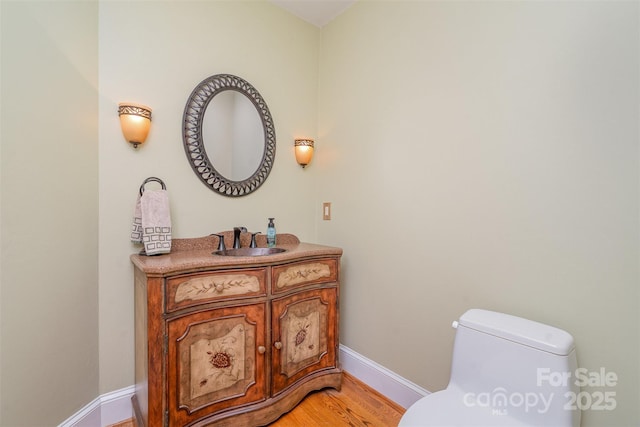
column 135, row 120
column 304, row 151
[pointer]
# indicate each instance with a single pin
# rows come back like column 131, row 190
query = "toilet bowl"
column 506, row 371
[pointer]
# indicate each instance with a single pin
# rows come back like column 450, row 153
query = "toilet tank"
column 515, row 367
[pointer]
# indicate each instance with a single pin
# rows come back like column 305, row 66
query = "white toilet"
column 506, row 371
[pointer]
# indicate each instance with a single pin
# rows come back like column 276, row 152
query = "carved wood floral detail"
column 217, row 363
column 301, row 335
column 220, row 359
column 215, row 358
column 304, row 335
column 205, row 287
column 297, row 274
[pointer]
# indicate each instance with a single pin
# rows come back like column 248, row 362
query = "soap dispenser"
column 271, row 233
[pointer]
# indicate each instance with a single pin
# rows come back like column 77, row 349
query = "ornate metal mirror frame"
column 193, row 139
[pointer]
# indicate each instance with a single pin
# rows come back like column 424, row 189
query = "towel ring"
column 152, row 178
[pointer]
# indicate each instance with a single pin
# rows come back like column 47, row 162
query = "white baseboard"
column 376, row 376
column 114, row 407
column 107, row 409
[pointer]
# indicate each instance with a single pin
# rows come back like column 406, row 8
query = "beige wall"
column 49, row 211
column 71, row 340
column 484, row 154
column 476, row 154
column 155, row 53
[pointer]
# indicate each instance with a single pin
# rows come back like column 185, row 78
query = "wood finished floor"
column 356, row 405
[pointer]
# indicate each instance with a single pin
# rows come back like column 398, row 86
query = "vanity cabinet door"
column 215, row 361
column 304, row 335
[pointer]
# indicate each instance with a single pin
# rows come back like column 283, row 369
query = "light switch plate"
column 326, row 211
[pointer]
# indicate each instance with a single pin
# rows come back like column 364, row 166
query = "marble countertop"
column 195, row 254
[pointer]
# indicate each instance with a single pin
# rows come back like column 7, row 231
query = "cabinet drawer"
column 201, row 288
column 304, row 273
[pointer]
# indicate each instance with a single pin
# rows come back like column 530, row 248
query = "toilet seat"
column 448, row 408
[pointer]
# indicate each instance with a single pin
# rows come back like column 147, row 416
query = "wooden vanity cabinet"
column 233, row 345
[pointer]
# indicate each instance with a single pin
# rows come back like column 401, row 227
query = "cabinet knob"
column 262, row 349
column 277, row 345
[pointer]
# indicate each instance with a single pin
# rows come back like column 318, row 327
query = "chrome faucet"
column 236, row 236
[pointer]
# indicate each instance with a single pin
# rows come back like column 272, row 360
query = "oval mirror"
column 228, row 135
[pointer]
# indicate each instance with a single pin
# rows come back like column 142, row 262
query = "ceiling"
column 316, row 12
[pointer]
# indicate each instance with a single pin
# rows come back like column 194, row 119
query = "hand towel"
column 136, row 228
column 152, row 222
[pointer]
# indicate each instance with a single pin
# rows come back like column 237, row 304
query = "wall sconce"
column 304, row 151
column 135, row 120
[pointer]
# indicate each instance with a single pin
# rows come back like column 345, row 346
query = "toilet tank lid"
column 517, row 329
